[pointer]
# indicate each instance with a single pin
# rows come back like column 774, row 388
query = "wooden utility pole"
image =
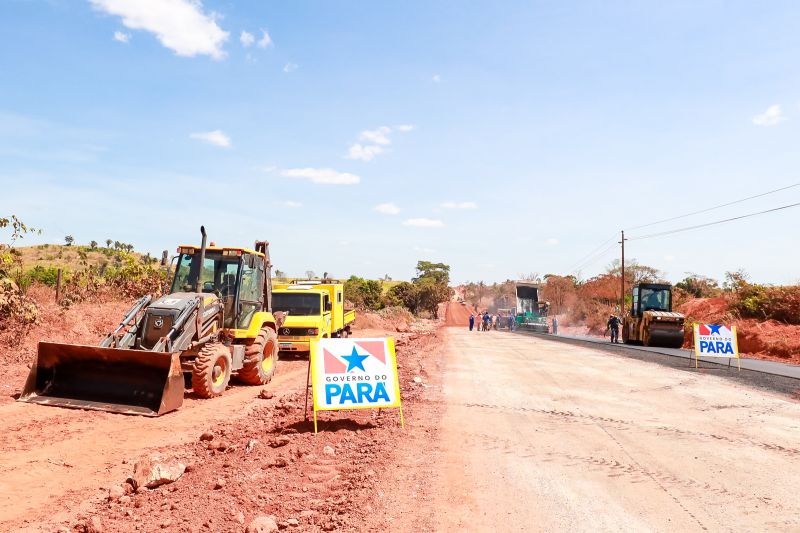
column 622, row 278
column 58, row 286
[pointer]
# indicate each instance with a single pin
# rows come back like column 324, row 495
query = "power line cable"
column 594, row 259
column 714, row 207
column 698, row 226
column 593, row 252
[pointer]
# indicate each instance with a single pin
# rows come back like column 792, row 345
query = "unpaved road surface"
column 55, row 457
column 542, row 436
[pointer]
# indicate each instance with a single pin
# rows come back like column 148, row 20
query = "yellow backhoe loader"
column 215, row 321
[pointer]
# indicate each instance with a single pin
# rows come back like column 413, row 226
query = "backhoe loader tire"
column 260, row 359
column 212, row 370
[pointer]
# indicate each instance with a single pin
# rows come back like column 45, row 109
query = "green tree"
column 363, row 293
column 405, row 294
column 279, row 274
column 69, row 239
column 93, row 244
column 438, row 272
column 108, row 243
column 431, row 294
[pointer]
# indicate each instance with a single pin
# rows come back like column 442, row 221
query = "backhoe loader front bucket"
column 105, row 379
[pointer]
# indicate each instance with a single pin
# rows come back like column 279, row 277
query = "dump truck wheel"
column 212, row 370
column 260, row 358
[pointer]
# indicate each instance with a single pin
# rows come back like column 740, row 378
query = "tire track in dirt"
column 624, row 425
column 613, row 468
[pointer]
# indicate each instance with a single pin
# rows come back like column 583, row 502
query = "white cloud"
column 669, row 257
column 387, row 209
column 363, row 152
column 459, row 205
column 552, row 241
column 247, row 39
column 424, row 250
column 423, row 223
column 265, row 40
column 180, row 25
column 436, row 78
column 215, row 137
column 324, row 176
column 377, row 136
column 292, row 204
column 771, row 117
column 374, row 141
column 290, row 67
column 122, row 37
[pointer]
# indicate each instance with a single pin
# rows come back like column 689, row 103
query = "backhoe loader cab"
column 215, row 322
column 651, row 321
column 234, row 275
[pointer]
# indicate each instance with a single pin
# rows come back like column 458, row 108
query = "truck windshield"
column 655, row 299
column 218, row 276
column 296, row 303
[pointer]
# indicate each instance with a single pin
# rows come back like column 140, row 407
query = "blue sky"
column 499, row 137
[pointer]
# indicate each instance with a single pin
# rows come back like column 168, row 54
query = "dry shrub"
column 17, row 313
column 768, row 303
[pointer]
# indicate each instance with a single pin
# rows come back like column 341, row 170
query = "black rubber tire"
column 213, row 361
column 260, row 359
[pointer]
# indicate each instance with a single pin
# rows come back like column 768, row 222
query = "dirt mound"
column 769, row 340
column 705, row 309
column 80, row 324
column 456, row 314
column 760, row 339
column 385, row 321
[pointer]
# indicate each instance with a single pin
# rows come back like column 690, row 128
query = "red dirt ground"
column 60, row 464
column 456, row 314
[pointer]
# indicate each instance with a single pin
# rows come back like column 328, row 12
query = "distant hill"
column 70, row 258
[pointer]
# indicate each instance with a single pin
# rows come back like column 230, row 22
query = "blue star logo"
column 714, row 329
column 355, row 361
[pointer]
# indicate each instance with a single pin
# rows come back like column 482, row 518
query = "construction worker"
column 486, row 321
column 555, row 325
column 613, row 325
column 471, row 321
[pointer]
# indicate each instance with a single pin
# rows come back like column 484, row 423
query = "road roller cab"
column 651, row 321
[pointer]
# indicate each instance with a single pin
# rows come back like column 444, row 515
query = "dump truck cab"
column 651, row 321
column 314, row 310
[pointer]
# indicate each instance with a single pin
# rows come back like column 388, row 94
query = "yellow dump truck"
column 314, row 310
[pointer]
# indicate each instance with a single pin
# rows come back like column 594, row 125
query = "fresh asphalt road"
column 547, row 436
column 757, row 365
